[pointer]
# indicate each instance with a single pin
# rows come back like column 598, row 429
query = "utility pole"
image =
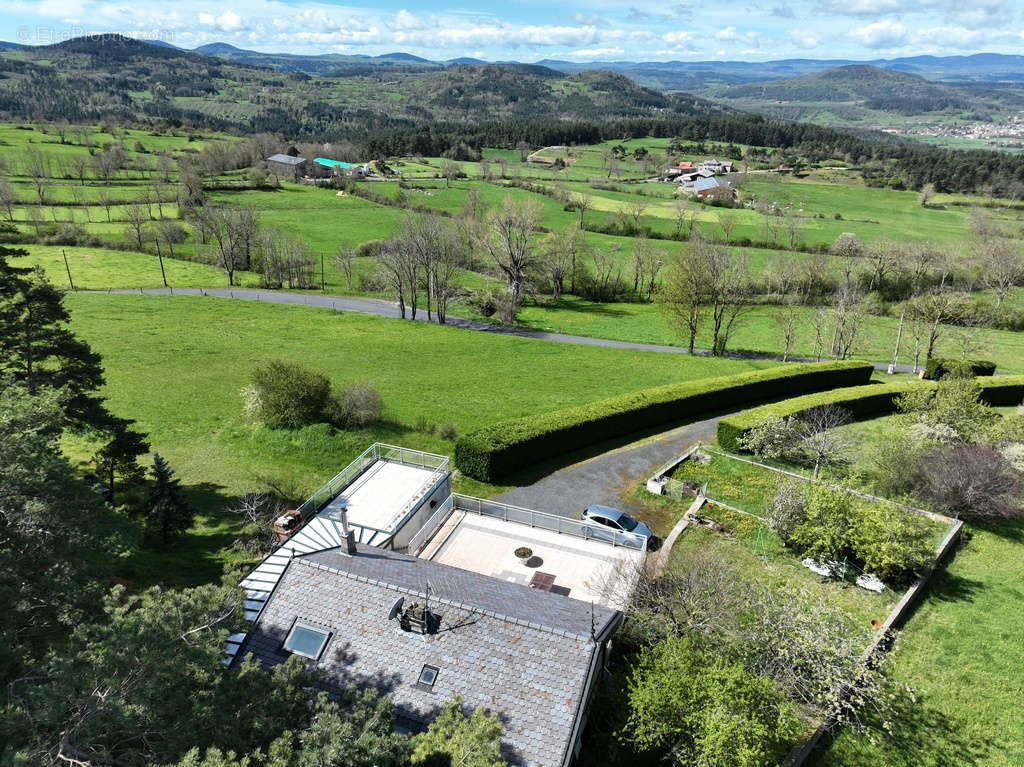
column 896, row 351
column 160, row 256
column 66, row 266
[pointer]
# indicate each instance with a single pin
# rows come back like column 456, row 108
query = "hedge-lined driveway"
column 608, row 478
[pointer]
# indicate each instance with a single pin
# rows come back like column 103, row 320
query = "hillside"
column 91, row 78
column 868, row 86
column 860, row 94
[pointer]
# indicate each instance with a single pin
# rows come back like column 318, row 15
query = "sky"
column 531, row 30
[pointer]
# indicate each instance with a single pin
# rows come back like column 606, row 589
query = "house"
column 287, row 166
column 422, row 632
column 716, row 166
column 384, row 578
column 713, row 188
column 539, row 158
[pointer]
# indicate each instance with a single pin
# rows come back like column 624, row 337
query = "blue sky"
column 529, row 30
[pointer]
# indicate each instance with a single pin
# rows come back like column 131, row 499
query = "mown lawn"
column 758, row 331
column 102, row 268
column 177, row 365
column 962, row 653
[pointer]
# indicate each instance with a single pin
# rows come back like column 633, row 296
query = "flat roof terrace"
column 383, row 494
column 380, row 488
column 565, row 563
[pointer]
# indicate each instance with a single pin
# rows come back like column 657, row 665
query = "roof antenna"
column 426, row 599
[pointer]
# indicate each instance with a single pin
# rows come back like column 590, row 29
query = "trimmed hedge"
column 938, row 367
column 501, row 448
column 863, row 401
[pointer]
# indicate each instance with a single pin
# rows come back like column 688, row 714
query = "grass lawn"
column 757, row 331
column 176, row 364
column 101, row 268
column 962, row 653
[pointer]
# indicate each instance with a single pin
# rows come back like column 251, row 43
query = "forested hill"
column 119, row 78
column 872, row 87
column 866, row 94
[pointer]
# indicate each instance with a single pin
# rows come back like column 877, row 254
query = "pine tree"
column 170, row 512
column 118, row 457
column 36, row 347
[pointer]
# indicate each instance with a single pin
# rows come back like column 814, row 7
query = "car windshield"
column 627, row 523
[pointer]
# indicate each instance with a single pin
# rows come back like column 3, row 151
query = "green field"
column 757, row 331
column 177, row 365
column 962, row 654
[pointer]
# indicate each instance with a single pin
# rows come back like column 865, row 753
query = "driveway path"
column 608, row 478
column 388, row 309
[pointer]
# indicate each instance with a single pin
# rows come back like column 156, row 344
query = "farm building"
column 287, row 166
column 386, row 579
column 713, row 188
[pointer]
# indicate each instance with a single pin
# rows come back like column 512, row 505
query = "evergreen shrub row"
column 497, row 450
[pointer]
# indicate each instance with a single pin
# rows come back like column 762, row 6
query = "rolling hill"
column 860, row 94
column 90, row 78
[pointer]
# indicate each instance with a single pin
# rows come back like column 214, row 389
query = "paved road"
column 608, row 478
column 388, row 309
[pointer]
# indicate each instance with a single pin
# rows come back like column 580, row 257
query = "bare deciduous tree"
column 1000, row 264
column 344, row 261
column 137, row 219
column 508, row 243
column 972, row 480
column 786, row 321
column 234, row 231
column 8, row 198
column 820, row 441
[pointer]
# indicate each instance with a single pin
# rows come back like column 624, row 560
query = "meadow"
column 177, row 364
column 961, row 654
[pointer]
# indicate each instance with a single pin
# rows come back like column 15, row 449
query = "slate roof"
column 286, row 159
column 703, row 184
column 527, row 655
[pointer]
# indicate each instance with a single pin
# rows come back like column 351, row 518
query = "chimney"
column 349, row 536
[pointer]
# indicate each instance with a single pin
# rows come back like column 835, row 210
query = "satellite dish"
column 396, row 608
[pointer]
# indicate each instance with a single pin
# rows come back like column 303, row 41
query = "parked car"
column 605, row 518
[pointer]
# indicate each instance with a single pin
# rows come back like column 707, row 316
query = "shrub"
column 357, row 406
column 447, row 431
column 861, row 401
column 506, row 446
column 285, row 395
column 938, row 367
column 879, row 538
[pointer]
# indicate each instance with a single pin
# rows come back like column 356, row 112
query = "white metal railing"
column 544, row 521
column 425, row 533
column 376, row 452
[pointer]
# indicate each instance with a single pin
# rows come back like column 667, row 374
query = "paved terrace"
column 585, row 569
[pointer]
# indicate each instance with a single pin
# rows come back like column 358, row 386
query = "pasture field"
column 180, row 368
column 758, row 331
column 962, row 655
column 102, row 268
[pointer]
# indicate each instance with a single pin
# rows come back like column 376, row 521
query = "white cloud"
column 679, row 38
column 881, row 34
column 229, row 21
column 730, row 34
column 596, row 53
column 804, row 38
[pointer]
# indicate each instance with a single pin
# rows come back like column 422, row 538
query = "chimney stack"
column 350, row 537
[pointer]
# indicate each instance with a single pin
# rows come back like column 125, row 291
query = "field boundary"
column 882, row 642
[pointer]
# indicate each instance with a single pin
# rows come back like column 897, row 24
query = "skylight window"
column 428, row 676
column 306, row 640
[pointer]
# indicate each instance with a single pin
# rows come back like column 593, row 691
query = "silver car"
column 605, row 518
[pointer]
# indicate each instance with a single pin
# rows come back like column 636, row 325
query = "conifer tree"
column 169, row 512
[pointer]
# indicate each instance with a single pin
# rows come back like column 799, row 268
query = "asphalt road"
column 389, row 309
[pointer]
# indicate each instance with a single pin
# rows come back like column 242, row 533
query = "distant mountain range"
column 693, row 76
column 224, row 86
